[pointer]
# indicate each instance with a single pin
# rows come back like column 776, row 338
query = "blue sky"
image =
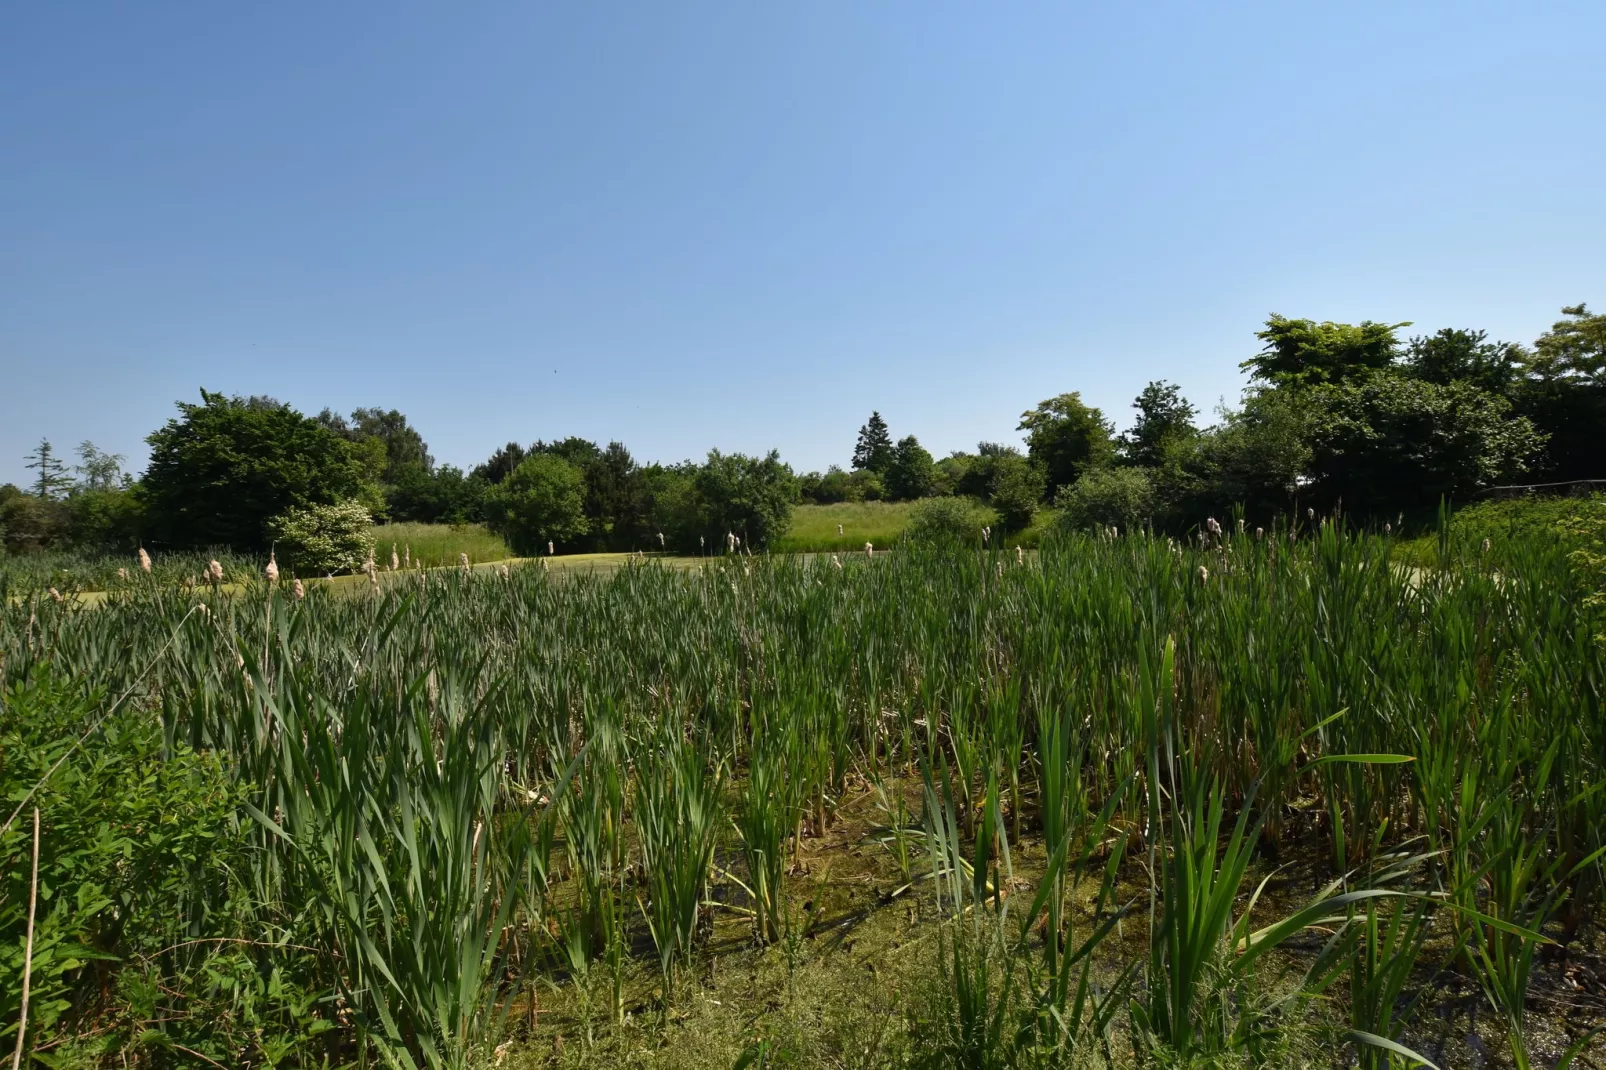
column 747, row 225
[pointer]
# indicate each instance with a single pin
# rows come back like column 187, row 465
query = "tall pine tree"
column 874, row 450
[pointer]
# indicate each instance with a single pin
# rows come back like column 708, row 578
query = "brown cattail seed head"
column 1020, row 556
column 839, row 531
column 395, row 562
column 660, row 540
column 1485, row 545
column 549, row 548
column 407, row 555
column 122, row 574
column 1388, row 529
column 869, row 550
column 1204, row 574
column 1310, row 514
column 144, row 560
column 56, row 595
column 300, row 591
column 214, row 571
column 505, row 572
column 272, row 571
column 1260, row 533
column 543, row 564
column 462, row 562
column 837, row 561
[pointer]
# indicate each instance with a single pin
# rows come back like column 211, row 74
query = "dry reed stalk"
column 27, row 953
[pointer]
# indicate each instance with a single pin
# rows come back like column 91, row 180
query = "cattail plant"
column 214, row 572
column 144, row 560
column 549, row 549
column 869, row 550
column 271, row 572
column 462, row 563
column 839, row 531
column 300, row 590
column 122, row 574
column 395, row 562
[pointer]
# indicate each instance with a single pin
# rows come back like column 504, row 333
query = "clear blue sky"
column 746, row 225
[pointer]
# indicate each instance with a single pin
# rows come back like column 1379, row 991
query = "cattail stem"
column 27, row 953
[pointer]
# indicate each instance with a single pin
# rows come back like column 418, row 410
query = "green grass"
column 439, row 544
column 813, row 528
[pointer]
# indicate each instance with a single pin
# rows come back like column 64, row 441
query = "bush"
column 1123, row 497
column 946, row 521
column 1016, row 489
column 30, row 524
column 321, row 539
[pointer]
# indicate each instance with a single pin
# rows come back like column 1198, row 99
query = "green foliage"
column 947, row 522
column 29, row 523
column 542, row 501
column 1066, row 438
column 1164, row 423
column 873, row 451
column 105, row 518
column 1573, row 349
column 323, row 539
column 1386, row 442
column 221, row 469
column 443, row 495
column 839, row 486
column 911, row 473
column 52, row 480
column 142, row 920
column 751, row 497
column 1304, row 352
column 1015, row 491
column 1460, row 356
column 1120, row 497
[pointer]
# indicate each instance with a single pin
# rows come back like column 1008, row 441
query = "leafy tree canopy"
column 1165, row 418
column 1390, row 441
column 912, row 473
column 1573, row 349
column 746, row 496
column 542, row 501
column 1455, row 355
column 1066, row 437
column 1304, row 352
column 221, row 469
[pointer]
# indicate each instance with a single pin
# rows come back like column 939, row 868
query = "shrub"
column 946, row 521
column 1016, row 489
column 324, row 538
column 1123, row 497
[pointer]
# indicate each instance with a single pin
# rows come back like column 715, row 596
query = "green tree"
column 912, row 473
column 98, row 470
column 1563, row 391
column 1165, row 419
column 542, row 501
column 1388, row 441
column 1455, row 355
column 1015, row 490
column 30, row 523
column 1574, row 348
column 873, row 452
column 52, row 481
column 221, row 469
column 500, row 464
column 1065, row 437
column 1304, row 352
column 750, row 497
column 444, row 495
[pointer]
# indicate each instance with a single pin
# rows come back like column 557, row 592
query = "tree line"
column 1350, row 416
